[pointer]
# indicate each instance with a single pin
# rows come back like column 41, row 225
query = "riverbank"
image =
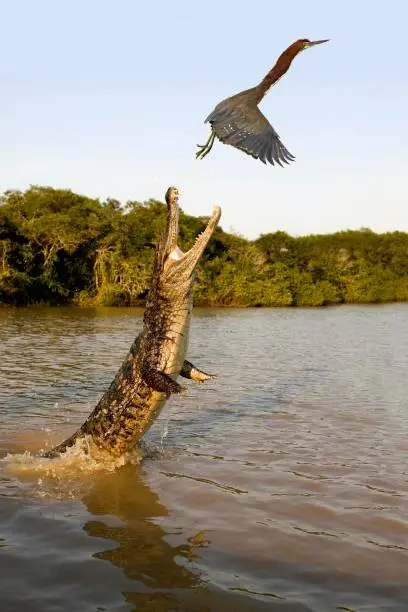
column 62, row 248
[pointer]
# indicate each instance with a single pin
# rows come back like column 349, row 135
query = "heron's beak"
column 316, row 42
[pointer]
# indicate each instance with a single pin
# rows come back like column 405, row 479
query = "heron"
column 237, row 121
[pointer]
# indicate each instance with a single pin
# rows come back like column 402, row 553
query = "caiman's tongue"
column 176, row 254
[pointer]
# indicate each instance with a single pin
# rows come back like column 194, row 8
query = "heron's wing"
column 246, row 128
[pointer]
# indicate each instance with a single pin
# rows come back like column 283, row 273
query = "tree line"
column 58, row 247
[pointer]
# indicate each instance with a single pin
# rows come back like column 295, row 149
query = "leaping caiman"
column 148, row 375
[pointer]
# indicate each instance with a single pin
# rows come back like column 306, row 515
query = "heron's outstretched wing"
column 246, row 128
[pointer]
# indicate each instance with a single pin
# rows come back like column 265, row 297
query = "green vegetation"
column 58, row 247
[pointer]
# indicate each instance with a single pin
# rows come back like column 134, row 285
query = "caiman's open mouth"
column 177, row 262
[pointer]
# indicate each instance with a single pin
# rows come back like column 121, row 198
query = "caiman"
column 148, row 375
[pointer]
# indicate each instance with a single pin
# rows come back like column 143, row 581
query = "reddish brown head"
column 305, row 43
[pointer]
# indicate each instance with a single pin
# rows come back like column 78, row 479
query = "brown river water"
column 281, row 486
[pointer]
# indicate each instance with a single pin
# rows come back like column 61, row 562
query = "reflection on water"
column 280, row 486
column 142, row 551
column 159, row 563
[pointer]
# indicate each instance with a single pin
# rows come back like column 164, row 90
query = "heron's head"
column 305, row 43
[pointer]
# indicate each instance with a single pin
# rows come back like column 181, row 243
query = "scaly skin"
column 148, row 375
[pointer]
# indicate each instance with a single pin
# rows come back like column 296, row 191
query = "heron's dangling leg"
column 205, row 149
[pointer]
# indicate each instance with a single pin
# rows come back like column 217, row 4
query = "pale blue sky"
column 109, row 99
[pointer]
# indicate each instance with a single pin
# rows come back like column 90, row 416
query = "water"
column 281, row 486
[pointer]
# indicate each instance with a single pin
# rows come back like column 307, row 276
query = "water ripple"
column 293, row 460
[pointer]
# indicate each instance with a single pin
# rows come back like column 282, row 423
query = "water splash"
column 165, row 429
column 84, row 457
column 164, row 433
column 68, row 475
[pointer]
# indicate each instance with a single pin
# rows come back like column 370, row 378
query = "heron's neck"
column 279, row 69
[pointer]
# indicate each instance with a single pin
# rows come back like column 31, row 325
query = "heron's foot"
column 203, row 150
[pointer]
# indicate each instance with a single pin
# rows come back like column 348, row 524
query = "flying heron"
column 237, row 121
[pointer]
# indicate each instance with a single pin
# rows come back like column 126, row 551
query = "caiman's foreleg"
column 190, row 371
column 160, row 381
column 205, row 149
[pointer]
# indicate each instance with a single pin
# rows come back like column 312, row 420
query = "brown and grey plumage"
column 237, row 121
